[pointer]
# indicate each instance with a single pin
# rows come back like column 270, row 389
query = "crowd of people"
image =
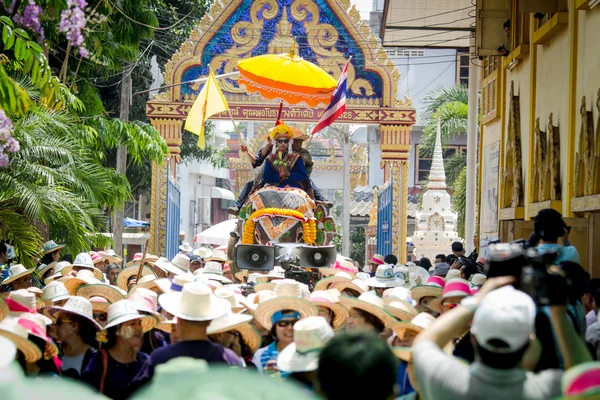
column 424, row 330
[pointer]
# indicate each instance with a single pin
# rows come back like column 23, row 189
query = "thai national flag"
column 337, row 106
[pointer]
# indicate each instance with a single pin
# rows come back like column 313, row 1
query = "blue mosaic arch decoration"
column 326, row 32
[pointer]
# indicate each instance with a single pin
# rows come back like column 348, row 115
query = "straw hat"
column 96, row 257
column 325, row 283
column 429, row 290
column 452, row 274
column 55, row 291
column 330, row 299
column 12, row 330
column 477, row 280
column 356, row 285
column 377, row 259
column 259, row 287
column 455, row 288
column 185, row 246
column 22, row 300
column 341, row 265
column 137, row 257
column 145, row 300
column 202, row 252
column 400, row 309
column 227, row 322
column 75, row 305
column 233, row 298
column 419, row 323
column 179, row 265
column 385, row 278
column 213, row 271
column 254, row 299
column 217, row 255
column 36, row 326
column 370, row 303
column 99, row 304
column 111, row 256
column 43, row 268
column 276, row 273
column 51, row 246
column 57, row 271
column 166, row 285
column 195, row 302
column 410, row 279
column 83, row 260
column 8, row 352
column 146, row 282
column 310, row 337
column 124, row 311
column 422, row 272
column 128, row 272
column 107, row 292
column 3, row 308
column 582, row 381
column 83, row 277
column 401, row 293
column 15, row 272
column 288, row 297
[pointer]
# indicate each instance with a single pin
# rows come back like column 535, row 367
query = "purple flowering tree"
column 8, row 144
column 72, row 24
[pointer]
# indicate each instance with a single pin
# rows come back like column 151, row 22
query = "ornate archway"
column 326, row 32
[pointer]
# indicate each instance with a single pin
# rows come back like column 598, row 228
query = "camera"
column 530, row 268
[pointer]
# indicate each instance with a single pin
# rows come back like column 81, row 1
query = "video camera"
column 530, row 268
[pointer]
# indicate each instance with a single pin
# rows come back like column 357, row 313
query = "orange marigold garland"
column 309, row 226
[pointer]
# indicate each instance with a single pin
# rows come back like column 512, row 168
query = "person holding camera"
column 505, row 346
column 548, row 227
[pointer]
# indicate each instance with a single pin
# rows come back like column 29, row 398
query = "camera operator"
column 548, row 227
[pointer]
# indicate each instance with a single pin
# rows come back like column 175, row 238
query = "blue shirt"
column 564, row 253
column 266, row 354
column 402, row 380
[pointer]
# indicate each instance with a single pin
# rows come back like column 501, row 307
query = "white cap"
column 505, row 314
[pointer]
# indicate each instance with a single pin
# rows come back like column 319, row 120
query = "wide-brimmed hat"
column 276, row 273
column 99, row 304
column 400, row 309
column 213, row 271
column 146, row 282
column 254, row 299
column 110, row 293
column 452, row 274
column 401, row 293
column 22, row 300
column 288, row 297
column 232, row 297
column 167, row 266
column 146, row 300
column 340, row 265
column 370, row 303
column 310, row 337
column 51, row 246
column 453, row 289
column 35, row 324
column 428, row 290
column 377, row 259
column 196, row 302
column 259, row 287
column 43, row 268
column 137, row 258
column 385, row 278
column 202, row 252
column 227, row 322
column 477, row 280
column 55, row 291
column 185, row 246
column 331, row 300
column 83, row 277
column 12, row 330
column 57, row 271
column 111, row 256
column 15, row 272
column 582, row 381
column 422, row 272
column 128, row 272
column 181, row 262
column 75, row 305
column 217, row 255
column 357, row 285
column 97, row 258
column 124, row 311
column 326, row 283
column 410, row 279
column 167, row 285
column 8, row 352
column 419, row 323
column 83, row 260
column 3, row 308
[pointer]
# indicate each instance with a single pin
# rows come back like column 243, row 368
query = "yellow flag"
column 209, row 102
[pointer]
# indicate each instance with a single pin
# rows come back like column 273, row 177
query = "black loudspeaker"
column 315, row 257
column 255, row 257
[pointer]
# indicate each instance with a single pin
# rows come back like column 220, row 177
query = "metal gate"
column 173, row 220
column 385, row 203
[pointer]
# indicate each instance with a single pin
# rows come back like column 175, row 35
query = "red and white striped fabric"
column 337, row 105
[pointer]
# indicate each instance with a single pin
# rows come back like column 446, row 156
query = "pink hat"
column 436, row 281
column 377, row 259
column 456, row 288
column 95, row 257
column 582, row 380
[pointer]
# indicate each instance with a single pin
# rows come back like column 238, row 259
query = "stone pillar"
column 395, row 147
column 170, row 130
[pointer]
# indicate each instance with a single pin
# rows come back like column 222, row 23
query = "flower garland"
column 309, row 226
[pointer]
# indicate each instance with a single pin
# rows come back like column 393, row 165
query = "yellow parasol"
column 286, row 77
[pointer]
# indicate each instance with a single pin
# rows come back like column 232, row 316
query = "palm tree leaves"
column 453, row 122
column 442, row 95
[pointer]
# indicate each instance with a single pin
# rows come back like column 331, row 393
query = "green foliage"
column 459, row 200
column 357, row 239
column 191, row 152
column 453, row 122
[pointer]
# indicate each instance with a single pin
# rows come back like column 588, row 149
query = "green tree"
column 450, row 105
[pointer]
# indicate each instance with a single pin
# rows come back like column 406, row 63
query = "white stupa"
column 436, row 223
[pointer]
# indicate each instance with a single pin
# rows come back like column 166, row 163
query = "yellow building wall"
column 588, row 61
